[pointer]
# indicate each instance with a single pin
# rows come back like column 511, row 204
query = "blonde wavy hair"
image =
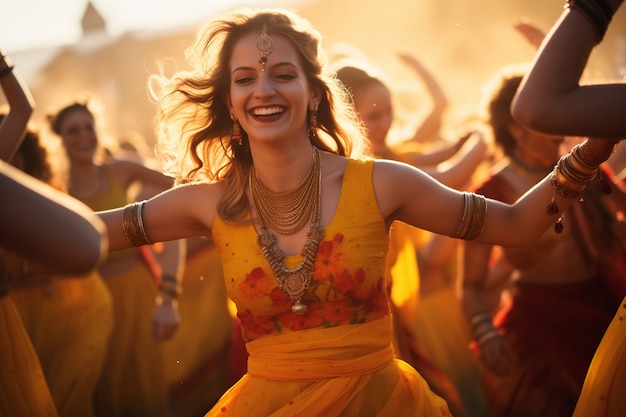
column 193, row 124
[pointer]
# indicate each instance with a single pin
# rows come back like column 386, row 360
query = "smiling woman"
column 250, row 128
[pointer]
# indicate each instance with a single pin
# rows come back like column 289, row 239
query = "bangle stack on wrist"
column 574, row 171
column 572, row 175
column 482, row 328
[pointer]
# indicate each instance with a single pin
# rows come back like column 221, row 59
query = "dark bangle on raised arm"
column 598, row 12
column 6, row 71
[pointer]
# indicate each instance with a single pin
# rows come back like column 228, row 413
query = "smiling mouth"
column 268, row 111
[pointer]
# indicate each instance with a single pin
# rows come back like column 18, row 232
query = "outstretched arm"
column 48, row 228
column 550, row 98
column 21, row 105
column 411, row 196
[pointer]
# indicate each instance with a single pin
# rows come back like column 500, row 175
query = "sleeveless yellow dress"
column 133, row 381
column 69, row 320
column 24, row 391
column 338, row 358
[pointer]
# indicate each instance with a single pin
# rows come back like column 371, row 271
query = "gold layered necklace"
column 284, row 212
column 287, row 212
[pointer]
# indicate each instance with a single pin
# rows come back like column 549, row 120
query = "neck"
column 282, row 171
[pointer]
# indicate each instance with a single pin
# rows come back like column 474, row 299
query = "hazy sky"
column 33, row 24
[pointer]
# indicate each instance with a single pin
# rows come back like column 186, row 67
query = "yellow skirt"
column 132, row 382
column 24, row 390
column 69, row 320
column 342, row 371
column 604, row 390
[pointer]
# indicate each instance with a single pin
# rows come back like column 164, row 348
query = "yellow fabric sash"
column 308, row 356
column 342, row 371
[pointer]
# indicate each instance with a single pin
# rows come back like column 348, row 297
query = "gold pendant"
column 295, row 284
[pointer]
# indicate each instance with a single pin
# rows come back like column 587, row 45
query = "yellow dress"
column 24, row 391
column 195, row 362
column 133, row 381
column 604, row 390
column 69, row 320
column 337, row 359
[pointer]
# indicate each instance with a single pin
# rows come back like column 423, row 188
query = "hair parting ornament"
column 265, row 45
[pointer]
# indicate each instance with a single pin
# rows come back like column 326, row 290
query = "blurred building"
column 110, row 72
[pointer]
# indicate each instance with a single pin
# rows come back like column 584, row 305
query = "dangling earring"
column 313, row 124
column 236, row 136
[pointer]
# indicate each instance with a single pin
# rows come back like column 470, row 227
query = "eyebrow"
column 278, row 64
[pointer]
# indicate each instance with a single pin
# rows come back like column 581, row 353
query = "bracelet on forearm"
column 132, row 224
column 575, row 170
column 474, row 215
column 6, row 71
column 598, row 12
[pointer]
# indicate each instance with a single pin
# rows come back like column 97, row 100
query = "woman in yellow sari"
column 276, row 176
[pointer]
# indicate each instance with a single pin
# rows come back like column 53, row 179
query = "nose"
column 264, row 87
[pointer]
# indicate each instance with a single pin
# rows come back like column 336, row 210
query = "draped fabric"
column 69, row 321
column 347, row 370
column 24, row 390
column 605, row 384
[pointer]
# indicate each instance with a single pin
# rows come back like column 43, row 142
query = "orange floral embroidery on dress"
column 349, row 285
column 336, row 295
column 329, row 261
column 256, row 284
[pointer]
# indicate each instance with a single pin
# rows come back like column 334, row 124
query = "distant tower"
column 92, row 20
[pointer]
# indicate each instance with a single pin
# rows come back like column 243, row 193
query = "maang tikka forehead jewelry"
column 265, row 45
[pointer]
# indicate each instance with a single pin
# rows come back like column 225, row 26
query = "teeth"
column 266, row 111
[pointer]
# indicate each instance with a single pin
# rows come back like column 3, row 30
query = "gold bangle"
column 571, row 175
column 132, row 224
column 474, row 215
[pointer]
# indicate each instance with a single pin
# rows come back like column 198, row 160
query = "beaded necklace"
column 293, row 282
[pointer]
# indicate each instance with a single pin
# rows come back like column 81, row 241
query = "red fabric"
column 554, row 331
